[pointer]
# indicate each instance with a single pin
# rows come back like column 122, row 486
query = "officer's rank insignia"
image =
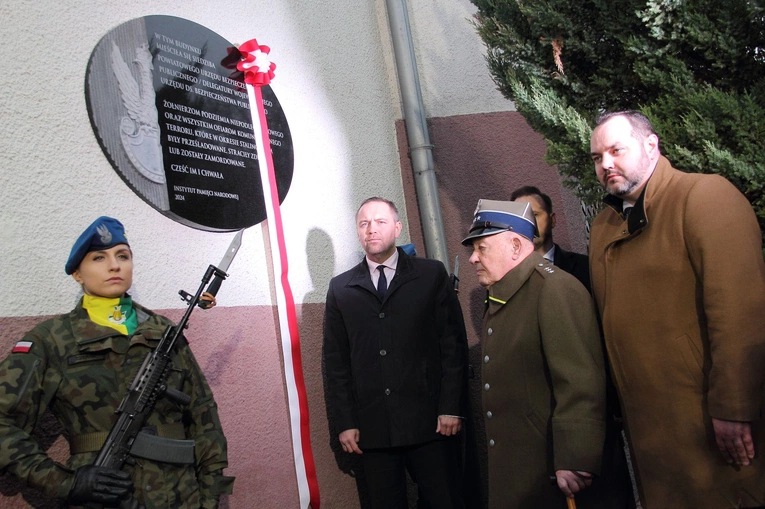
column 22, row 347
column 117, row 316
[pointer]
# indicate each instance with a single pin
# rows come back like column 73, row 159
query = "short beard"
column 631, row 183
column 625, row 188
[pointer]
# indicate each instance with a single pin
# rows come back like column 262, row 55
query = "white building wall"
column 337, row 84
column 451, row 60
column 332, row 81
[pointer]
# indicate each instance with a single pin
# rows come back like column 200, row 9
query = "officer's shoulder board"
column 546, row 269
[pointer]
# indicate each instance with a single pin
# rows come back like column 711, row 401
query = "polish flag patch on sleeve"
column 22, row 347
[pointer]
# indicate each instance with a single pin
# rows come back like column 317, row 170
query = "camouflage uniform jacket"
column 81, row 371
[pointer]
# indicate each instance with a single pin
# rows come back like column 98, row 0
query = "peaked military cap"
column 103, row 233
column 493, row 216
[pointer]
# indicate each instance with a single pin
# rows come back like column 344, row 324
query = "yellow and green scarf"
column 115, row 313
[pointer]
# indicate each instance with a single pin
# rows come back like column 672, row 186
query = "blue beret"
column 103, row 233
column 492, row 217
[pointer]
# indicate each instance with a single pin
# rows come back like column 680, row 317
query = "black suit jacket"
column 578, row 265
column 394, row 365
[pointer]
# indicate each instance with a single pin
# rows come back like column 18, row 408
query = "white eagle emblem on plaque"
column 140, row 129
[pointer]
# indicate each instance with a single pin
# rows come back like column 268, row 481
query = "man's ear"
column 399, row 227
column 76, row 276
column 651, row 145
column 517, row 246
column 552, row 220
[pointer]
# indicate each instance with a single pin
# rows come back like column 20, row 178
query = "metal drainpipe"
column 420, row 148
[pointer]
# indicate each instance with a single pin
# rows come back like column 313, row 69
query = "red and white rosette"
column 258, row 72
column 256, row 64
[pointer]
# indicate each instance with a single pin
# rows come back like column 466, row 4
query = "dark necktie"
column 382, row 282
column 627, row 211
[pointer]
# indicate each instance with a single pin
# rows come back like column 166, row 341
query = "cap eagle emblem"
column 106, row 235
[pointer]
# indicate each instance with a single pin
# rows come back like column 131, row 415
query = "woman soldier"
column 80, row 365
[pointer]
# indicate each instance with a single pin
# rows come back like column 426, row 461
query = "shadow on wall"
column 217, row 365
column 320, row 256
column 338, row 472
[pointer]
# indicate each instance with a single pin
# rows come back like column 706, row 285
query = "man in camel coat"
column 678, row 277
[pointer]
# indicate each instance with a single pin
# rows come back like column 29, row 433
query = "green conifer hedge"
column 696, row 68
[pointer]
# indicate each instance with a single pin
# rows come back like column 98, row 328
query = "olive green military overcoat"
column 680, row 288
column 543, row 384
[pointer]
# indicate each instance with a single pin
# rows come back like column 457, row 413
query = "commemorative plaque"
column 171, row 113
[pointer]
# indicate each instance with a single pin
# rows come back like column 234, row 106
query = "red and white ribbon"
column 258, row 72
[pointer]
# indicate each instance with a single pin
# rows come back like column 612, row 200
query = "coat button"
column 486, row 360
column 387, row 392
column 486, row 387
column 147, row 488
column 489, row 414
column 383, row 353
column 491, row 443
column 490, row 331
column 382, row 315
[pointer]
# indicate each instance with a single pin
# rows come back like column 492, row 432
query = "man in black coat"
column 574, row 263
column 395, row 353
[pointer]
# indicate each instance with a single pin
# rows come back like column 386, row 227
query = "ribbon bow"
column 257, row 67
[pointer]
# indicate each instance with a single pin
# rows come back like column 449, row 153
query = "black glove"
column 100, row 485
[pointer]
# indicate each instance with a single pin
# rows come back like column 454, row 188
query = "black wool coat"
column 578, row 265
column 394, row 365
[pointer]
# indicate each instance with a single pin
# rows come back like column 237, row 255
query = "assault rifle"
column 147, row 386
column 150, row 381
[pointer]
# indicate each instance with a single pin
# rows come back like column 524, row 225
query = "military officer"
column 79, row 365
column 543, row 370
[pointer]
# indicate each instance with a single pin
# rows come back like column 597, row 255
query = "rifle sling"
column 167, row 445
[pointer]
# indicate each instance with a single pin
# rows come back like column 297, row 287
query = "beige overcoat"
column 543, row 385
column 680, row 287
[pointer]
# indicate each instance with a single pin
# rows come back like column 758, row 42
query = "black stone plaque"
column 171, row 113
